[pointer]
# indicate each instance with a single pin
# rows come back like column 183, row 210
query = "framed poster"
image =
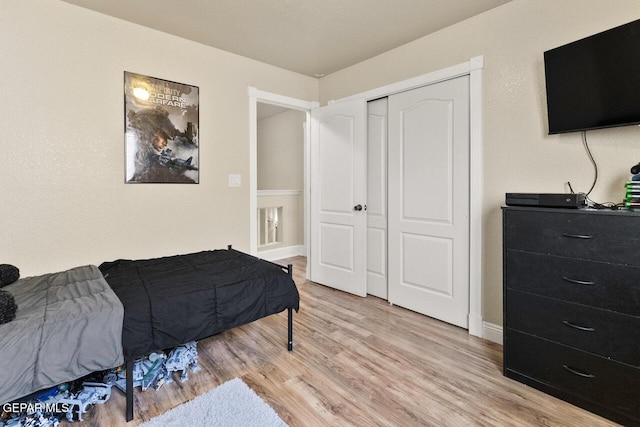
column 161, row 130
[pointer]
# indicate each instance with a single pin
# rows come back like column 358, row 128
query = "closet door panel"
column 427, row 161
column 428, row 227
column 377, row 198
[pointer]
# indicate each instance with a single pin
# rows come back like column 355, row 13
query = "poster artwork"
column 161, row 130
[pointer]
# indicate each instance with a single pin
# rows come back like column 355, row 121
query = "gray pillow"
column 8, row 274
column 8, row 307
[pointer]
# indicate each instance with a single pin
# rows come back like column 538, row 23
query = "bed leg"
column 129, row 373
column 290, row 343
column 290, row 312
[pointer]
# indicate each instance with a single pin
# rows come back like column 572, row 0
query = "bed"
column 68, row 324
column 172, row 300
column 169, row 301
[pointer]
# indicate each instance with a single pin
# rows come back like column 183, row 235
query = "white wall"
column 64, row 200
column 518, row 154
column 281, row 151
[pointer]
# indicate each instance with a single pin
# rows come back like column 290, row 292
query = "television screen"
column 594, row 82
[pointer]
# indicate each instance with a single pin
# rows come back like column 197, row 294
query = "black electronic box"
column 548, row 200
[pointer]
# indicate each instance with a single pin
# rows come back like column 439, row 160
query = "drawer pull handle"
column 578, row 282
column 578, row 372
column 581, row 328
column 578, row 236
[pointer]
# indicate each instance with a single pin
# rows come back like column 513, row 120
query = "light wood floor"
column 359, row 362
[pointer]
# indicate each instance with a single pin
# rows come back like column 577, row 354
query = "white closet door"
column 377, row 198
column 338, row 196
column 429, row 200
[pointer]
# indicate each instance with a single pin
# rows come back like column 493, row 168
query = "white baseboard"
column 492, row 332
column 280, row 253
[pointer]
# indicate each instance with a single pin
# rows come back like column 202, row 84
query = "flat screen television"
column 594, row 82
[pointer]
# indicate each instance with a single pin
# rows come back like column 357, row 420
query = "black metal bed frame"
column 129, row 362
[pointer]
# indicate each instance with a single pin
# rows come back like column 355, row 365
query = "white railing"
column 280, row 215
column 269, row 226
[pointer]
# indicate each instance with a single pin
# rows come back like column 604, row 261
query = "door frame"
column 473, row 68
column 256, row 96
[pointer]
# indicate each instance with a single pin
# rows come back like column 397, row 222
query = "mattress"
column 169, row 301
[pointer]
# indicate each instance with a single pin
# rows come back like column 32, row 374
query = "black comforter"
column 172, row 300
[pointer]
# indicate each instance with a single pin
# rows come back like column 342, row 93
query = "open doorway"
column 277, row 104
column 280, row 181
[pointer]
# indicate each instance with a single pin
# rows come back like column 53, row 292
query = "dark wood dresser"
column 572, row 306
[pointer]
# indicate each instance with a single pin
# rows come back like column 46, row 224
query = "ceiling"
column 312, row 37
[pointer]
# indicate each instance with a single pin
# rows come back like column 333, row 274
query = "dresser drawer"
column 592, row 378
column 608, row 286
column 605, row 333
column 609, row 238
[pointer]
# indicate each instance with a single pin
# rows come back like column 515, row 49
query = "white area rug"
column 228, row 405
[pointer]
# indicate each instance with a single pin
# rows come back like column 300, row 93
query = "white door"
column 338, row 196
column 377, row 198
column 429, row 200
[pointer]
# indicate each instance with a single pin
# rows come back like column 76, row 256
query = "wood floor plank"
column 359, row 362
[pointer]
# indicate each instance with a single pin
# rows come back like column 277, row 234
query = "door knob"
column 357, row 208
